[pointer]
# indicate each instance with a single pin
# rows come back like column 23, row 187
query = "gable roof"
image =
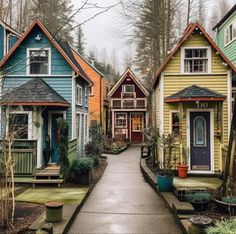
column 225, row 17
column 63, row 51
column 35, row 92
column 128, row 71
column 195, row 93
column 188, row 32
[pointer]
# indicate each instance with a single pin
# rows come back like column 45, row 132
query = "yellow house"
column 193, row 100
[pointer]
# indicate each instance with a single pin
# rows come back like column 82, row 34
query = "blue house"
column 42, row 81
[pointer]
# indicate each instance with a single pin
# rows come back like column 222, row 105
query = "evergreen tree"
column 55, row 15
column 80, row 41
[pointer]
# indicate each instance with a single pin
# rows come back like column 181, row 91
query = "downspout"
column 101, row 102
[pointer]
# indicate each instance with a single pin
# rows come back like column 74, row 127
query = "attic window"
column 128, row 88
column 195, row 60
column 38, row 62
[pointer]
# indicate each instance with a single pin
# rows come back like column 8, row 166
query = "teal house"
column 42, row 81
column 225, row 38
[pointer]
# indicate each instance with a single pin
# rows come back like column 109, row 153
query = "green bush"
column 223, row 227
column 198, row 197
column 93, row 149
column 81, row 165
column 230, row 200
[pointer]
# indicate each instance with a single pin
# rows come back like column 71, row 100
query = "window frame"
column 208, row 48
column 29, row 113
column 124, row 88
column 171, row 121
column 86, row 96
column 91, row 90
column 28, row 62
column 232, row 25
column 119, row 126
column 79, row 103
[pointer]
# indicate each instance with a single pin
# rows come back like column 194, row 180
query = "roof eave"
column 193, row 99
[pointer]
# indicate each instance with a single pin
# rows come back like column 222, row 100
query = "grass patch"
column 42, row 195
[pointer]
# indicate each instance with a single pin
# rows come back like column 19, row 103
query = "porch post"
column 181, row 113
column 39, row 142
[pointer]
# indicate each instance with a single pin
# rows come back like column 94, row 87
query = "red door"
column 137, row 125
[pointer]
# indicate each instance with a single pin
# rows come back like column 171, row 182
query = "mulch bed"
column 25, row 214
column 98, row 170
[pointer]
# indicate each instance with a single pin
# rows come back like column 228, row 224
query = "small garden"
column 215, row 211
column 115, row 145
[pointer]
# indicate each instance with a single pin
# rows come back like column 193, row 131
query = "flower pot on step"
column 165, row 183
column 182, row 170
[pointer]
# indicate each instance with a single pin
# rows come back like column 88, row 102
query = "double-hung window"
column 78, row 95
column 86, row 96
column 175, row 123
column 39, row 62
column 196, row 60
column 128, row 88
column 230, row 33
column 121, row 120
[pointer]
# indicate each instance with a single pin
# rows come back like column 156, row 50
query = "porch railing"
column 72, row 151
column 24, row 154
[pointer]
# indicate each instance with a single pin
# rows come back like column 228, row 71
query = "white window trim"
column 30, row 126
column 234, row 38
column 195, row 47
column 86, row 96
column 171, row 122
column 125, row 119
column 81, row 94
column 123, row 88
column 28, row 62
column 91, row 91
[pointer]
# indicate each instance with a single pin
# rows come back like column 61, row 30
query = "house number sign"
column 202, row 104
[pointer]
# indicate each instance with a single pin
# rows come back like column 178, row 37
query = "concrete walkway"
column 122, row 202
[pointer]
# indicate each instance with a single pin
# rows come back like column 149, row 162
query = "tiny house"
column 128, row 106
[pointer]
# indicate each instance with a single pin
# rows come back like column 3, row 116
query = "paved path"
column 122, row 202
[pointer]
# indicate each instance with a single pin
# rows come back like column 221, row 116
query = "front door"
column 136, row 127
column 54, row 137
column 200, row 141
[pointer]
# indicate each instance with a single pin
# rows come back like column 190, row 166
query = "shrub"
column 230, row 200
column 93, row 149
column 223, row 227
column 81, row 165
column 198, row 197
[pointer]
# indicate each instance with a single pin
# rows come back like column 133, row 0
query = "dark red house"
column 128, row 101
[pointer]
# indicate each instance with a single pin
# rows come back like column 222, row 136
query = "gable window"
column 196, row 60
column 121, row 120
column 230, row 33
column 39, row 62
column 18, row 124
column 175, row 123
column 78, row 95
column 128, row 88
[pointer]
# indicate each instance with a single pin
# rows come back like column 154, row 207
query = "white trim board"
column 211, row 110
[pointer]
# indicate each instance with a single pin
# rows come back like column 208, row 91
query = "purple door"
column 200, row 141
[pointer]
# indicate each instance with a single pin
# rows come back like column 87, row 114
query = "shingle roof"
column 34, row 92
column 194, row 93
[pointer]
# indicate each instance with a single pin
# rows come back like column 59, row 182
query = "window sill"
column 225, row 45
column 78, row 104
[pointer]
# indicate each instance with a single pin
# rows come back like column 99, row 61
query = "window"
column 175, row 123
column 137, row 122
column 18, row 124
column 90, row 90
column 121, row 120
column 78, row 95
column 140, row 103
column 38, row 62
column 85, row 129
column 116, row 103
column 195, row 60
column 230, row 33
column 199, row 132
column 128, row 103
column 128, row 88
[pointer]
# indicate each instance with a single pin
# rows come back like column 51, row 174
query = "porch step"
column 178, row 206
column 46, row 181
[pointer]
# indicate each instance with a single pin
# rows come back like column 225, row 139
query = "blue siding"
column 12, row 39
column 1, row 42
column 59, row 65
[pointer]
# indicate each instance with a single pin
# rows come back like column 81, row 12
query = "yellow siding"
column 174, row 81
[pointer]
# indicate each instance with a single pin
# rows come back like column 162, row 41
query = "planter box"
column 84, row 178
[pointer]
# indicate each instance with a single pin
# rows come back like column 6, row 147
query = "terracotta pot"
column 182, row 170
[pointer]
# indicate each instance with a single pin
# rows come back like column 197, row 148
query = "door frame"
column 130, row 124
column 211, row 111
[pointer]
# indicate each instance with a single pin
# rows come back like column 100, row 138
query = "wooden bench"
column 47, row 181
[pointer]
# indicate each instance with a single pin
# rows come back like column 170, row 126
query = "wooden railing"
column 24, row 153
column 72, row 150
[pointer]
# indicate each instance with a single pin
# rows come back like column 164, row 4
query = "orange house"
column 98, row 101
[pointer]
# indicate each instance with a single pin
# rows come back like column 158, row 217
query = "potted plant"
column 80, row 171
column 183, row 166
column 165, row 176
column 228, row 203
column 199, row 200
column 223, row 227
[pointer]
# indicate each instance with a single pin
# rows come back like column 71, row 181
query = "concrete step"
column 178, row 206
column 46, row 181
